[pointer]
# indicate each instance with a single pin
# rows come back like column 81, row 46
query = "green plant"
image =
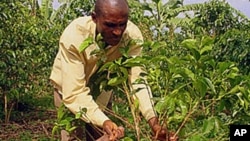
column 27, row 49
column 199, row 97
column 68, row 121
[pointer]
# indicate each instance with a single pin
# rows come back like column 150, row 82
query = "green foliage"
column 234, row 45
column 71, row 9
column 68, row 121
column 137, row 16
column 28, row 48
column 46, row 9
column 198, row 95
column 214, row 18
column 230, row 29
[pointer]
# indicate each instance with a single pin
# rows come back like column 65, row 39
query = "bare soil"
column 34, row 125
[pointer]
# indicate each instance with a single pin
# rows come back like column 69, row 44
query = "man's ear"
column 93, row 15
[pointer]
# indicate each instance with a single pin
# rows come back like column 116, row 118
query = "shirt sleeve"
column 143, row 94
column 75, row 93
column 143, row 91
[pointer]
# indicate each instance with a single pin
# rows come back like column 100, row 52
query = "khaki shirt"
column 72, row 70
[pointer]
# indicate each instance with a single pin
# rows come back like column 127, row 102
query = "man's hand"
column 112, row 130
column 160, row 133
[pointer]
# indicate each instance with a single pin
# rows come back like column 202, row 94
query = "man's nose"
column 117, row 32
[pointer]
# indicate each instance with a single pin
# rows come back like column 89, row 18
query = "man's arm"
column 75, row 93
column 144, row 94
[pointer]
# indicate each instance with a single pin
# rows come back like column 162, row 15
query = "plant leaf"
column 116, row 81
column 85, row 44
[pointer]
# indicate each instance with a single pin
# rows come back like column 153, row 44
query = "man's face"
column 111, row 24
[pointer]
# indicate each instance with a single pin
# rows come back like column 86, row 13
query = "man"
column 72, row 69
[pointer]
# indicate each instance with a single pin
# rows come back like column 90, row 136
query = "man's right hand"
column 112, row 130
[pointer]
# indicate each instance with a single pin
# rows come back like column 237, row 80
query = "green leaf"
column 72, row 129
column 205, row 49
column 196, row 138
column 127, row 139
column 113, row 68
column 64, row 122
column 105, row 66
column 159, row 106
column 206, row 41
column 200, row 86
column 221, row 105
column 217, row 124
column 234, row 90
column 85, row 44
column 210, row 84
column 54, row 130
column 124, row 72
column 170, row 103
column 208, row 125
column 189, row 43
column 124, row 51
column 183, row 107
column 223, row 66
column 78, row 115
column 245, row 93
column 206, row 59
column 116, row 81
column 195, row 53
column 131, row 62
column 136, row 103
column 189, row 73
column 68, row 126
column 99, row 40
column 242, row 102
column 60, row 112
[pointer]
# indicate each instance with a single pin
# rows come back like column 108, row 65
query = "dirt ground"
column 35, row 125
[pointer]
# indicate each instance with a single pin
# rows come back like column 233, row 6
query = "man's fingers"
column 172, row 137
column 110, row 133
column 115, row 134
column 112, row 130
column 120, row 132
column 109, row 127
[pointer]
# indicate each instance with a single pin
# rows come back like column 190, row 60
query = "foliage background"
column 197, row 65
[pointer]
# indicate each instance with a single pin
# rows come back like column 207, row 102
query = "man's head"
column 111, row 17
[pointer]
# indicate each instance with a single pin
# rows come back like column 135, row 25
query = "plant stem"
column 131, row 105
column 118, row 117
column 185, row 119
column 6, row 108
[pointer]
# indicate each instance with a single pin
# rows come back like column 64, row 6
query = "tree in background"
column 28, row 45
